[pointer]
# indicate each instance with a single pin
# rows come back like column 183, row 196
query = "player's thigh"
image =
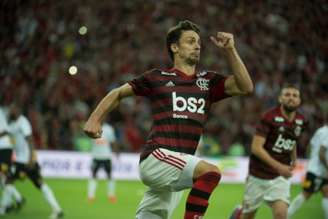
column 95, row 165
column 168, row 170
column 18, row 171
column 107, row 164
column 5, row 160
column 255, row 189
column 279, row 190
column 279, row 209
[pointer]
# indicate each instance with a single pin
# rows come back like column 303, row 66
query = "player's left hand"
column 223, row 40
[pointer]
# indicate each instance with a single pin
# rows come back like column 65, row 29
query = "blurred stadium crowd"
column 279, row 41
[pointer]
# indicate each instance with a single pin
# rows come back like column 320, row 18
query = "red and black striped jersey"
column 281, row 137
column 180, row 106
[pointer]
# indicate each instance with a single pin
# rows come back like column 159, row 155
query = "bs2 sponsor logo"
column 282, row 143
column 191, row 104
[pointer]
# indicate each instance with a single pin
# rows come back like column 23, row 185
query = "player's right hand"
column 285, row 170
column 92, row 128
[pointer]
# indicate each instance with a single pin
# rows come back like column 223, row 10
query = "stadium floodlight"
column 72, row 70
column 83, row 30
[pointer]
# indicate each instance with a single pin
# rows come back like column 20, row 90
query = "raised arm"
column 259, row 151
column 240, row 83
column 93, row 125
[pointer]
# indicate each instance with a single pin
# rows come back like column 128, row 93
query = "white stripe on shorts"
column 169, row 159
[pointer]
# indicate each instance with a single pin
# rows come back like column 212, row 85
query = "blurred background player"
column 101, row 158
column 317, row 173
column 273, row 157
column 6, row 148
column 25, row 163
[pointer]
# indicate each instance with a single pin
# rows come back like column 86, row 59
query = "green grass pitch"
column 72, row 197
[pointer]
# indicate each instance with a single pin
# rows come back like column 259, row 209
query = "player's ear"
column 280, row 99
column 174, row 47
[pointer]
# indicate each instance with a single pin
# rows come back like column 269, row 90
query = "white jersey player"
column 6, row 149
column 5, row 144
column 101, row 158
column 25, row 163
column 317, row 172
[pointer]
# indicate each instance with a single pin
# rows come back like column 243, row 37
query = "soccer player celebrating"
column 273, row 157
column 26, row 164
column 317, row 172
column 101, row 153
column 180, row 100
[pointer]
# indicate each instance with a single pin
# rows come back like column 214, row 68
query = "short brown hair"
column 174, row 34
column 289, row 85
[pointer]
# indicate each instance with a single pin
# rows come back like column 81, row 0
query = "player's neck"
column 186, row 69
column 288, row 115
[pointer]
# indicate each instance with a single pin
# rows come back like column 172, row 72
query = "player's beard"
column 192, row 60
column 289, row 109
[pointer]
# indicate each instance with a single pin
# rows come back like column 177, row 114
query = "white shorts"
column 166, row 173
column 259, row 190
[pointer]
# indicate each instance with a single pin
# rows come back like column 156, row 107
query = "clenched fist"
column 223, row 40
column 92, row 128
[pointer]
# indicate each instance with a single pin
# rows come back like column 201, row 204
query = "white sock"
column 296, row 204
column 49, row 196
column 6, row 199
column 111, row 188
column 14, row 193
column 92, row 186
column 325, row 207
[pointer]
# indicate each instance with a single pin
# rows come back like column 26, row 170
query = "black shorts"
column 313, row 183
column 105, row 164
column 21, row 171
column 5, row 160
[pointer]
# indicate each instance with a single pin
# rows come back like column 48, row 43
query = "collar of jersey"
column 182, row 74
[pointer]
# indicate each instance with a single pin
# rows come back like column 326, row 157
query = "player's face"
column 14, row 112
column 290, row 99
column 188, row 47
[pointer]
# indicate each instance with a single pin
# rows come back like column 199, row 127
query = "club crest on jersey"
column 202, row 83
column 298, row 131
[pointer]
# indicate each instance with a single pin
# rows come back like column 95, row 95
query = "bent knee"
column 214, row 168
column 212, row 174
column 204, row 167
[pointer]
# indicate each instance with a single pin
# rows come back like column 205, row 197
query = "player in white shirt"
column 25, row 163
column 101, row 158
column 5, row 145
column 6, row 148
column 317, row 173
